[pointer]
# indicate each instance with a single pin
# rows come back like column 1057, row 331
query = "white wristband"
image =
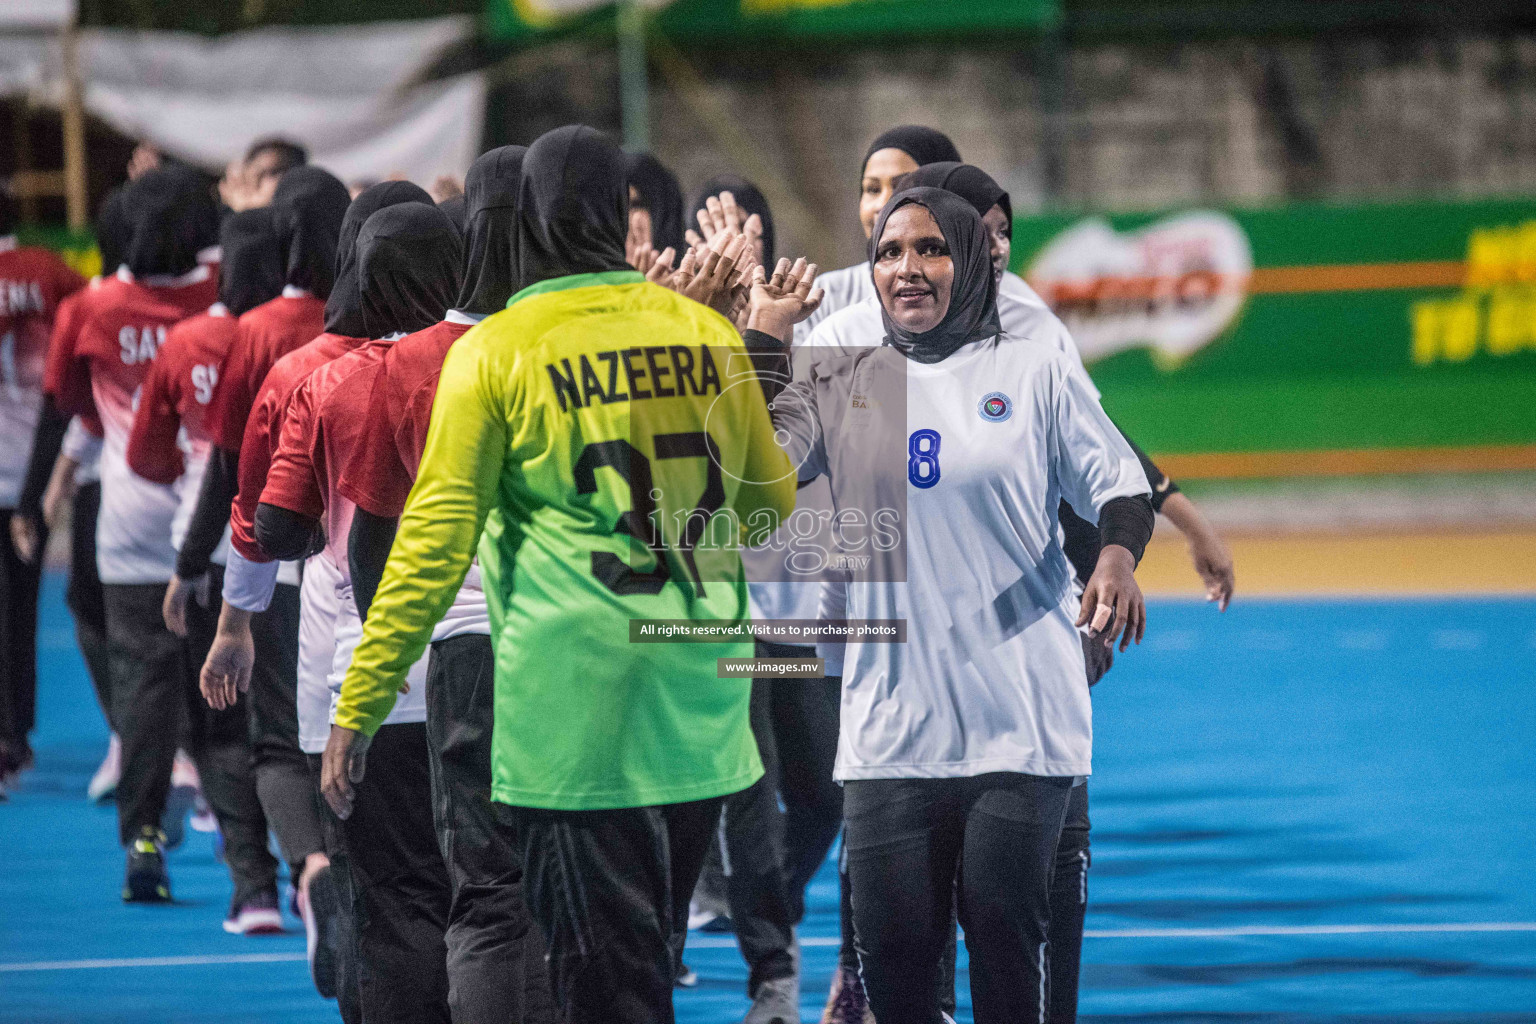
column 249, row 585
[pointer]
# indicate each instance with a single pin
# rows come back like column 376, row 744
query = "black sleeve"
column 770, row 358
column 1162, row 486
column 1080, row 542
column 367, row 550
column 285, row 535
column 45, row 452
column 220, row 482
column 1127, row 522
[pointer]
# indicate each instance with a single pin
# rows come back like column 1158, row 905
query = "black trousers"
column 84, row 597
column 149, row 699
column 908, row 842
column 610, row 890
column 752, row 837
column 286, row 788
column 1069, row 906
column 348, row 998
column 397, row 884
column 221, row 748
column 773, row 853
column 19, row 582
column 496, row 967
column 805, row 725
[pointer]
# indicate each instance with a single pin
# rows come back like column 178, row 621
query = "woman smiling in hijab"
column 958, row 748
column 1026, row 317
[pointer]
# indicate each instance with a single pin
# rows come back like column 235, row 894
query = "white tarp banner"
column 353, row 95
column 34, row 14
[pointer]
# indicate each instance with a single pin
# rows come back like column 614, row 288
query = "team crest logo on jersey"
column 995, row 407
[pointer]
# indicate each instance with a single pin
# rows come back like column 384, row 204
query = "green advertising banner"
column 77, row 248
column 765, row 20
column 1301, row 339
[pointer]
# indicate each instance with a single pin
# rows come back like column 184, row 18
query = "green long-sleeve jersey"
column 601, row 441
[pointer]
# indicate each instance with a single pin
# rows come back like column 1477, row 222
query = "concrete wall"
column 1094, row 126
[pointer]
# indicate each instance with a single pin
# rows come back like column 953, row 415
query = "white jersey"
column 317, row 649
column 842, row 288
column 974, row 453
column 410, row 706
column 469, row 613
column 84, row 448
column 1024, row 317
column 133, row 528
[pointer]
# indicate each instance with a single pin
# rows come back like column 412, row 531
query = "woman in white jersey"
column 958, row 748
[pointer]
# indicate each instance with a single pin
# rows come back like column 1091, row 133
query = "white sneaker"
column 104, row 783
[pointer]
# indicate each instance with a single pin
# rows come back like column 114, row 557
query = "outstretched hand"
column 711, row 275
column 784, row 299
column 720, row 215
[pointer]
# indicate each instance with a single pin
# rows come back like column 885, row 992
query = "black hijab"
column 972, row 313
column 573, row 205
column 453, row 207
column 925, row 145
column 749, row 198
column 408, row 265
column 168, row 211
column 491, row 231
column 344, row 309
column 662, row 196
column 251, row 271
column 970, row 183
column 307, row 210
column 7, row 210
column 112, row 231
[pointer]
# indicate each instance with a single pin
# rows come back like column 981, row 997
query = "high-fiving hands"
column 721, row 215
column 780, row 301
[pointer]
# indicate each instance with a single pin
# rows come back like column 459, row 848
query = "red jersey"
column 177, row 394
column 263, row 431
column 34, row 284
column 267, row 333
column 326, row 419
column 123, row 329
column 169, row 443
column 382, row 466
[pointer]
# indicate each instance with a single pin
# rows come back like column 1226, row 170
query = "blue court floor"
column 1303, row 811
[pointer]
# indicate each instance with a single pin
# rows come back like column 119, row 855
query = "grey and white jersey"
column 842, row 288
column 964, row 462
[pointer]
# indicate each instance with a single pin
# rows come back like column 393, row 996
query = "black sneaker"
column 146, row 880
column 320, row 910
column 256, row 914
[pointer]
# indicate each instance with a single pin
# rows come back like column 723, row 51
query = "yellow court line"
column 1487, row 458
column 1299, row 565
